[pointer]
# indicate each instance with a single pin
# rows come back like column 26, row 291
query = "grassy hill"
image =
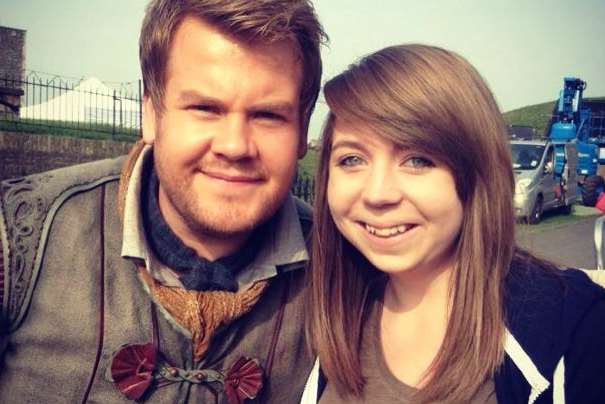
column 536, row 116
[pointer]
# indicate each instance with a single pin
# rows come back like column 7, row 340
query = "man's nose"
column 235, row 140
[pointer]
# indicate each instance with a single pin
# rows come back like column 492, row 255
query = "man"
column 174, row 275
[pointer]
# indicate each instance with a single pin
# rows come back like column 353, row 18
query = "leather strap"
column 277, row 328
column 95, row 366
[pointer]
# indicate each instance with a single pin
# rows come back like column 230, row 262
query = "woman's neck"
column 418, row 289
column 414, row 322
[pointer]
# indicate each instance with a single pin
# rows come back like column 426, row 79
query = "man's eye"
column 269, row 116
column 418, row 162
column 350, row 161
column 211, row 109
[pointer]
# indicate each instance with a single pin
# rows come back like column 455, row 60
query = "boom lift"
column 577, row 120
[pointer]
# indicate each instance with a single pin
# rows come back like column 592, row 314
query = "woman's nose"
column 382, row 187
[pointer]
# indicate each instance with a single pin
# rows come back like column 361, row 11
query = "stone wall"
column 24, row 153
column 12, row 63
column 12, row 52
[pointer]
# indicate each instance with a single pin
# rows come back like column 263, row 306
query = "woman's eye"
column 418, row 162
column 350, row 161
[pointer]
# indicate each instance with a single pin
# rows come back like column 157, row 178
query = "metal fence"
column 304, row 188
column 88, row 106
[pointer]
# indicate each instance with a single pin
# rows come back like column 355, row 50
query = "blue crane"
column 576, row 120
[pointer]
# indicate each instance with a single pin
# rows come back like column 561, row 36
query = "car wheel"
column 566, row 209
column 536, row 213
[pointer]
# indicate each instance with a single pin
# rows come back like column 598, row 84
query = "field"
column 71, row 129
column 536, row 116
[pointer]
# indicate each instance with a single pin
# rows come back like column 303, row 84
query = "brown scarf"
column 202, row 312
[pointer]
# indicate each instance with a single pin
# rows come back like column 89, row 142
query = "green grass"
column 554, row 219
column 71, row 129
column 307, row 166
column 536, row 116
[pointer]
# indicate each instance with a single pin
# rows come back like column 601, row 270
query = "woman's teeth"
column 387, row 231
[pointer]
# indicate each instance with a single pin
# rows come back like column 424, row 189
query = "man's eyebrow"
column 197, row 97
column 193, row 96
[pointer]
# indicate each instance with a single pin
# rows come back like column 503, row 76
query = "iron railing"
column 304, row 188
column 88, row 106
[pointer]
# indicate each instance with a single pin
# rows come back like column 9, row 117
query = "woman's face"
column 399, row 208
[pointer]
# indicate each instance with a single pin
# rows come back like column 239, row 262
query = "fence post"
column 306, row 193
column 113, row 129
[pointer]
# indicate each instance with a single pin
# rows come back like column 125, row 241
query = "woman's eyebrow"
column 348, row 143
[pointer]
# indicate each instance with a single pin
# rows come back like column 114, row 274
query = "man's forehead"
column 216, row 37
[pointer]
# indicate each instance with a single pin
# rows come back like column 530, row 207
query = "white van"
column 536, row 189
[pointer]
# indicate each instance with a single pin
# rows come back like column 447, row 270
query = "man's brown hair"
column 263, row 21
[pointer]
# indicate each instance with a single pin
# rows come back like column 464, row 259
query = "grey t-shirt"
column 381, row 385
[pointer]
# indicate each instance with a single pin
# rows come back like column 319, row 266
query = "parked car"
column 536, row 190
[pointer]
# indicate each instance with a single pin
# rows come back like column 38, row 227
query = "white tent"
column 90, row 101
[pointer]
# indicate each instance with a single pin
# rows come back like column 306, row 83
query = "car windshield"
column 526, row 156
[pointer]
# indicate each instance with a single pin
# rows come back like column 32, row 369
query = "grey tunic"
column 70, row 300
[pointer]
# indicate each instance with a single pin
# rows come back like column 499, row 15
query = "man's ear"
column 149, row 121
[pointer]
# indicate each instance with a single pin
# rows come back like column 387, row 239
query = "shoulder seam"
column 17, row 314
column 54, row 207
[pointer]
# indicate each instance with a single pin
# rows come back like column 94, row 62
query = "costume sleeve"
column 3, row 346
column 585, row 360
column 2, row 269
column 3, row 321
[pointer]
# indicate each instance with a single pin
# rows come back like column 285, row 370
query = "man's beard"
column 218, row 218
column 232, row 223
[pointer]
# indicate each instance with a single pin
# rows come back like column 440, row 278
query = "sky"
column 523, row 48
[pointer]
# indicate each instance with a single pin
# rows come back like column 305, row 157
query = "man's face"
column 226, row 145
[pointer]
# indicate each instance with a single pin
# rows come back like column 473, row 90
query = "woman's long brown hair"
column 433, row 101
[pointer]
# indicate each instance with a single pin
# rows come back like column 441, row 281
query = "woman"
column 418, row 291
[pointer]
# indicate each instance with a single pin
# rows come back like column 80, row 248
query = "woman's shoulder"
column 547, row 306
column 557, row 315
column 530, row 277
